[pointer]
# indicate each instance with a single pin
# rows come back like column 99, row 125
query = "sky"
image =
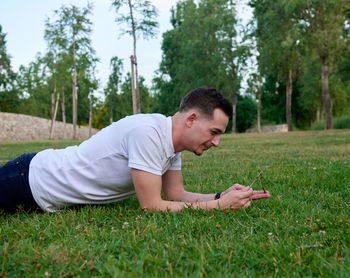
column 24, row 21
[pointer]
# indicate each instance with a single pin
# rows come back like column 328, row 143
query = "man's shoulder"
column 144, row 118
column 149, row 129
column 144, row 122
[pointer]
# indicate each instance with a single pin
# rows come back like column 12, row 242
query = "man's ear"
column 191, row 118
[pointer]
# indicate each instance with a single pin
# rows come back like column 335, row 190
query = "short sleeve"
column 176, row 162
column 145, row 150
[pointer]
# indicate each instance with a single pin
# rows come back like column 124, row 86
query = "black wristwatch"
column 217, row 195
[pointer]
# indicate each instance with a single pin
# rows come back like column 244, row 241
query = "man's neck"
column 178, row 132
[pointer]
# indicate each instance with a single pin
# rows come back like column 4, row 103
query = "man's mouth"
column 206, row 147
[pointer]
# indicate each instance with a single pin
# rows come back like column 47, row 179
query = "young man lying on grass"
column 138, row 154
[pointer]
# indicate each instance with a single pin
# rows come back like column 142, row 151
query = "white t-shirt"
column 99, row 169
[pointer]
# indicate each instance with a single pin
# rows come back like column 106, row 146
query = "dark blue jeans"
column 14, row 184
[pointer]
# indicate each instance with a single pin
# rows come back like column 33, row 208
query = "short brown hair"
column 206, row 99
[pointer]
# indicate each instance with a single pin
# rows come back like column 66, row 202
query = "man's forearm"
column 177, row 206
column 192, row 197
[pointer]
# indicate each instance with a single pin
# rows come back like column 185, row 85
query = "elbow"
column 164, row 206
column 149, row 208
column 152, row 206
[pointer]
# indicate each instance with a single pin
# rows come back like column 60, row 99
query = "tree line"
column 290, row 64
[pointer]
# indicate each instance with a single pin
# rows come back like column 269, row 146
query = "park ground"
column 302, row 230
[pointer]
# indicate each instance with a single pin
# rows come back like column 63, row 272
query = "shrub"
column 338, row 123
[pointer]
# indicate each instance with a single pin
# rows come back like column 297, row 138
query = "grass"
column 302, row 231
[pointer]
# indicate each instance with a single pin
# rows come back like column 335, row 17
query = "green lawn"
column 303, row 230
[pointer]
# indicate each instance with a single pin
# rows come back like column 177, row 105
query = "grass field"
column 302, row 230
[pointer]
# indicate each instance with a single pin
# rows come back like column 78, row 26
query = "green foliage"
column 112, row 89
column 339, row 123
column 273, row 100
column 9, row 96
column 5, row 64
column 246, row 113
column 277, row 43
column 310, row 99
column 298, row 35
column 322, row 23
column 118, row 100
column 141, row 19
column 52, row 73
column 276, row 35
column 302, row 230
column 125, row 99
column 9, row 100
column 72, row 25
column 32, row 82
column 200, row 50
column 99, row 118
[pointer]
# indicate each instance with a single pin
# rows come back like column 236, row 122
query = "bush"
column 338, row 123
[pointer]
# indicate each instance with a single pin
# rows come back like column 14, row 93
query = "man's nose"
column 216, row 140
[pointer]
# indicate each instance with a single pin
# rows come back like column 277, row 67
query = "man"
column 139, row 154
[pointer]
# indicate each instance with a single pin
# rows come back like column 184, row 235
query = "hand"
column 236, row 197
column 260, row 195
column 234, row 187
column 256, row 194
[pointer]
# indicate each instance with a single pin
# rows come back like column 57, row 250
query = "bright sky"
column 24, row 23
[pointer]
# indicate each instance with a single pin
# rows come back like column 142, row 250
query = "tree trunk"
column 111, row 114
column 234, row 105
column 326, row 97
column 289, row 92
column 90, row 117
column 134, row 99
column 138, row 100
column 53, row 101
column 318, row 114
column 53, row 109
column 63, row 110
column 53, row 96
column 54, row 117
column 259, row 109
column 138, row 97
column 75, row 94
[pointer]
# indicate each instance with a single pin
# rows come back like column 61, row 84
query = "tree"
column 112, row 89
column 322, row 23
column 141, row 19
column 246, row 112
column 201, row 49
column 69, row 33
column 255, row 85
column 9, row 97
column 32, row 81
column 310, row 100
column 234, row 55
column 54, row 60
column 277, row 40
column 124, row 98
column 5, row 64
